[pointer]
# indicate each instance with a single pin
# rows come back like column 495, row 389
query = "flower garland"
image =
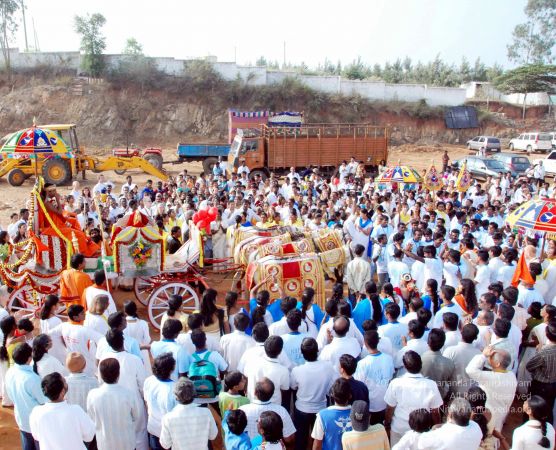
column 141, row 253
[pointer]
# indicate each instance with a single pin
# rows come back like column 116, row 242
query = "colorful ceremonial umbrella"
column 464, row 179
column 537, row 215
column 431, row 181
column 30, row 142
column 399, row 174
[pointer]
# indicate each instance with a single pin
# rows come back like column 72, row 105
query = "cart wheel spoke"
column 158, row 300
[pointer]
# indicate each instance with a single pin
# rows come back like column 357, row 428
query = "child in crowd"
column 232, row 397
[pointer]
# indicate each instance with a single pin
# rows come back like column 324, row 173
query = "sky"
column 242, row 30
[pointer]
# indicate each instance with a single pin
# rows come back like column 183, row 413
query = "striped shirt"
column 188, row 427
column 254, row 410
column 543, row 365
column 79, row 385
column 374, row 438
column 114, row 410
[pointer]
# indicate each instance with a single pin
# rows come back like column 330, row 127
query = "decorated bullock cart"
column 32, row 270
column 136, row 250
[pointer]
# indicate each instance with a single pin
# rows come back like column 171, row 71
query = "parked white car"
column 532, row 142
column 549, row 163
column 553, row 138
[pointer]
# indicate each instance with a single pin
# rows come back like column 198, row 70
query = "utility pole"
column 24, row 26
column 37, row 47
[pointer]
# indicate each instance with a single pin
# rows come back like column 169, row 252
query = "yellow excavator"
column 53, row 151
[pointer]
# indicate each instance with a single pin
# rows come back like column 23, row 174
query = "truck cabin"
column 244, row 148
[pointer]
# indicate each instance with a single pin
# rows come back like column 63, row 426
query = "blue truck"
column 207, row 153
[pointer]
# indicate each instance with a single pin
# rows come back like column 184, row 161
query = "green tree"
column 93, row 42
column 133, row 47
column 377, row 71
column 261, row 62
column 465, row 74
column 526, row 79
column 8, row 27
column 356, row 70
column 533, row 41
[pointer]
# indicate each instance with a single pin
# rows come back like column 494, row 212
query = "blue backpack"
column 204, row 376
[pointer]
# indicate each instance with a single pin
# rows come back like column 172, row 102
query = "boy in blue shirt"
column 235, row 436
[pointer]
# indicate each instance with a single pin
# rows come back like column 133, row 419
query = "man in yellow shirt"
column 364, row 436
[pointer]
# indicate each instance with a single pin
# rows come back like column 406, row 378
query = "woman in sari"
column 466, row 297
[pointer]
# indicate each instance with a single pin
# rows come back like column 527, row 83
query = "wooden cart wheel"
column 143, row 288
column 21, row 304
column 158, row 301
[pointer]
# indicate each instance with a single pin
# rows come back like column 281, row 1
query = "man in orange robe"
column 65, row 222
column 74, row 281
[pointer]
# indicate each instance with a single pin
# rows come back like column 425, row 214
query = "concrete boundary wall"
column 260, row 76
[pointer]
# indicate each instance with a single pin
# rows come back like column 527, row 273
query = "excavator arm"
column 117, row 163
column 7, row 164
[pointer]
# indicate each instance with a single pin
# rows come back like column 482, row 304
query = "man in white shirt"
column 99, row 288
column 376, row 371
column 326, row 332
column 458, row 433
column 528, row 293
column 187, row 426
column 312, row 381
column 432, row 265
column 293, row 339
column 260, row 335
column 482, row 275
column 396, row 268
column 243, row 168
column 447, row 294
column 51, row 422
column 113, row 409
column 499, row 383
column 264, row 391
column 235, row 344
column 409, row 392
column 461, row 355
column 158, row 392
column 450, row 326
column 102, row 183
column 393, row 330
column 415, row 342
column 495, row 263
column 129, row 184
column 358, row 272
column 268, row 367
column 453, row 269
column 341, row 344
column 78, row 338
column 281, row 327
column 132, row 377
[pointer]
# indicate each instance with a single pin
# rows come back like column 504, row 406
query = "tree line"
column 435, row 73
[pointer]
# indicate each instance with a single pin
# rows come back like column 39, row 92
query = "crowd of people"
column 440, row 329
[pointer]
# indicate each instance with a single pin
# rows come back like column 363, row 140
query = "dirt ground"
column 14, row 198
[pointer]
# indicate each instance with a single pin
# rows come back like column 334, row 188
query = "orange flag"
column 522, row 272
